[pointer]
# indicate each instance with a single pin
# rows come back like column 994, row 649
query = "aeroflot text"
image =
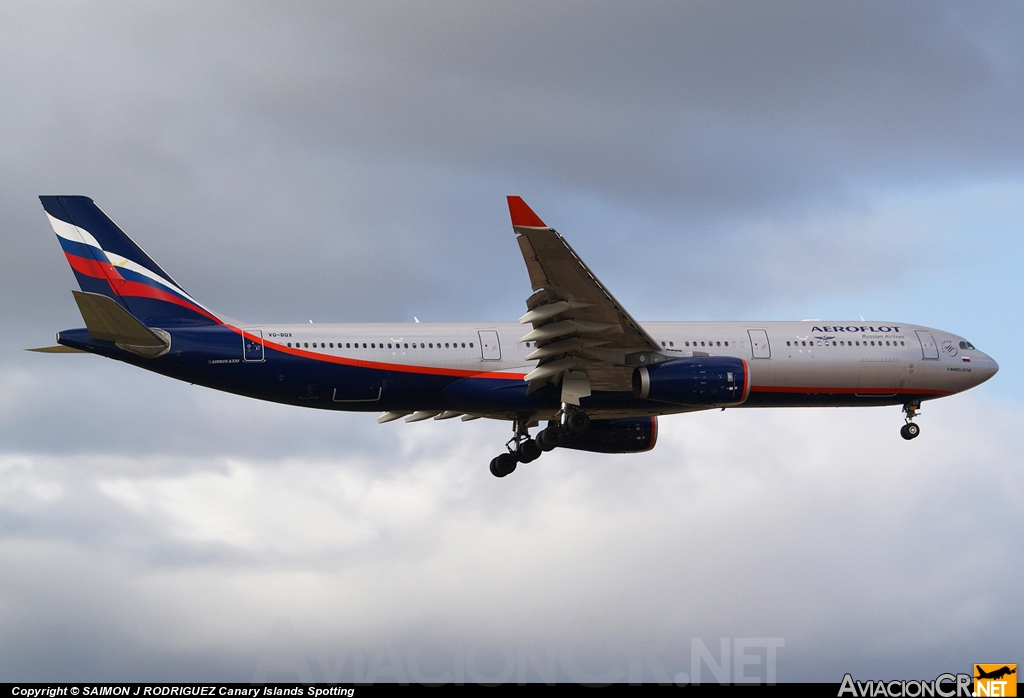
column 855, row 328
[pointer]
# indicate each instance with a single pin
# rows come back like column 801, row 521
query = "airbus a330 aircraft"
column 576, row 360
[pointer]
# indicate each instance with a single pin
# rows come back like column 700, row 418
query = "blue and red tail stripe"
column 106, row 261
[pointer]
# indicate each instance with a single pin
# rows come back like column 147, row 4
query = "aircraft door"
column 929, row 349
column 759, row 346
column 490, row 349
column 252, row 346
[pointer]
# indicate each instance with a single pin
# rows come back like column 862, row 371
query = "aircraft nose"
column 986, row 366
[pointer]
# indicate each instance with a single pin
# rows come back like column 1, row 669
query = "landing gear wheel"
column 529, row 450
column 551, row 438
column 503, row 465
column 910, row 431
column 577, row 422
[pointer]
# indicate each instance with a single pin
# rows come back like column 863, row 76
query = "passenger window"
column 289, row 343
column 726, row 344
column 662, row 344
column 671, row 344
column 464, row 345
column 470, row 345
column 446, row 345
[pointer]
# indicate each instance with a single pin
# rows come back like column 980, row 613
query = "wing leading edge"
column 584, row 338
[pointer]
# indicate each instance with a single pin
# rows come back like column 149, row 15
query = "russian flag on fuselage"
column 106, row 261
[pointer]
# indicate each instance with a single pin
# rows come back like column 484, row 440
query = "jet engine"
column 630, row 435
column 705, row 381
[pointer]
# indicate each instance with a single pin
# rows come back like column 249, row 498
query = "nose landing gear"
column 910, row 430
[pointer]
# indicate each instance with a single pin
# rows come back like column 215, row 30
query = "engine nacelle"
column 630, row 435
column 705, row 381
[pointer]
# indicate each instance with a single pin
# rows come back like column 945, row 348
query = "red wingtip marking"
column 522, row 214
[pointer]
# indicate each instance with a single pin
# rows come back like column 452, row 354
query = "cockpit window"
column 966, row 345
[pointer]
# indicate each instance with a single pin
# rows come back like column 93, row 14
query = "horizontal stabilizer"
column 59, row 349
column 107, row 321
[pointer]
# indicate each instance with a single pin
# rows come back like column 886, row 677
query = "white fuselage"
column 790, row 363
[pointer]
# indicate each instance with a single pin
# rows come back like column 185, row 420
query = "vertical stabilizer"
column 108, row 262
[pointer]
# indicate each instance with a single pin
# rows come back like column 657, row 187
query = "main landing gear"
column 523, row 449
column 910, row 430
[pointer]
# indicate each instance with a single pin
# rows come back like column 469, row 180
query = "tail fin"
column 109, row 263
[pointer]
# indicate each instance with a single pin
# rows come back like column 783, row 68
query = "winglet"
column 522, row 215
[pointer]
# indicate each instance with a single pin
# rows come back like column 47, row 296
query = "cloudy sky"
column 349, row 163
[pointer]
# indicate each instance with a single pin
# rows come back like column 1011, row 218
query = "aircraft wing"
column 584, row 338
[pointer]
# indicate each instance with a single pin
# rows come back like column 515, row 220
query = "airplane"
column 995, row 674
column 576, row 362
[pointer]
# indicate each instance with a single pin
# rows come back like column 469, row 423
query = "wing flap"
column 572, row 313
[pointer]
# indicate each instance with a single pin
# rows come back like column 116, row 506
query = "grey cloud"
column 348, row 162
column 689, row 106
column 859, row 560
